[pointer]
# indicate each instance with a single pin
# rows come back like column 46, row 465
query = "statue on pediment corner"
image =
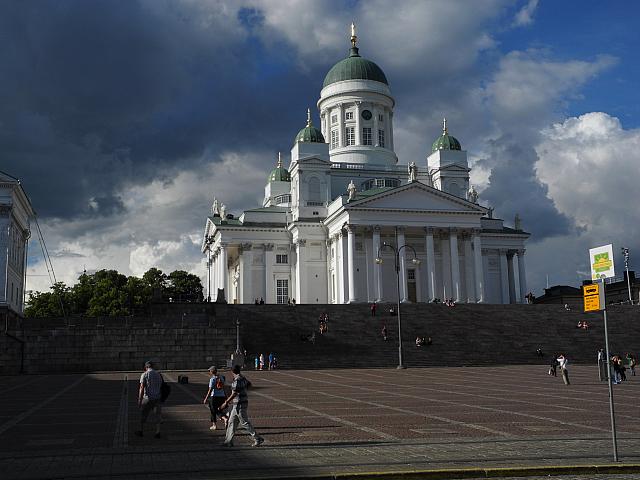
column 472, row 195
column 517, row 222
column 223, row 211
column 413, row 172
column 351, row 190
column 215, row 208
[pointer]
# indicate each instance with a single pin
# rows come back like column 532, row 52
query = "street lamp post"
column 237, row 335
column 625, row 253
column 416, row 261
column 209, row 241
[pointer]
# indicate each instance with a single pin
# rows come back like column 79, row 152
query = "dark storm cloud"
column 98, row 95
column 515, row 189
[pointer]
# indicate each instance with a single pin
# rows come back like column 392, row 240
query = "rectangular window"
column 381, row 118
column 348, row 116
column 366, row 136
column 334, row 139
column 282, row 291
column 411, row 275
column 381, row 138
column 282, row 258
column 351, row 136
column 334, row 119
column 380, row 182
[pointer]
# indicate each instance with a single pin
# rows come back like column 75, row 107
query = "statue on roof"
column 223, row 211
column 215, row 208
column 351, row 190
column 472, row 195
column 413, row 172
column 517, row 223
column 490, row 212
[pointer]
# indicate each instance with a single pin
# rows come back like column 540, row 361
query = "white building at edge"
column 325, row 220
column 15, row 213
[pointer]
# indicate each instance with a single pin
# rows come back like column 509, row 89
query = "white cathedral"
column 346, row 223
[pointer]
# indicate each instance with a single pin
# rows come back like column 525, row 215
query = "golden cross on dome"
column 279, row 160
column 354, row 38
column 308, row 117
column 444, row 126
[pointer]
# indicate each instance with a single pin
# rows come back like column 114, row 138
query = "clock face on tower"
column 366, row 114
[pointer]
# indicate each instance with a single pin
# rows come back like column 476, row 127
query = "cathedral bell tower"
column 356, row 110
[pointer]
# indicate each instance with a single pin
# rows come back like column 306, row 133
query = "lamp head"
column 416, row 261
column 378, row 261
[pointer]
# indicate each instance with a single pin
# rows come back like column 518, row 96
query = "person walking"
column 553, row 365
column 215, row 397
column 384, row 332
column 240, row 401
column 602, row 365
column 562, row 362
column 149, row 398
column 270, row 360
column 261, row 361
column 374, row 307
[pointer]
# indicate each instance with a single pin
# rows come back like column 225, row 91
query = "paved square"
column 317, row 422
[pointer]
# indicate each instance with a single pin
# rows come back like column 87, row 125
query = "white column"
column 455, row 263
column 468, row 269
column 351, row 252
column 431, row 264
column 301, row 296
column 377, row 276
column 246, row 287
column 370, row 256
column 403, row 266
column 269, row 287
column 341, row 140
column 376, row 126
column 214, row 284
column 479, row 274
column 511, row 278
column 358, row 126
column 522, row 276
column 224, row 283
column 343, row 277
column 504, row 276
column 390, row 130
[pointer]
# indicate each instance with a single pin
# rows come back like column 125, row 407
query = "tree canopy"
column 109, row 293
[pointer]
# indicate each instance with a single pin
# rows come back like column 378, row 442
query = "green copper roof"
column 354, row 67
column 279, row 174
column 309, row 133
column 445, row 141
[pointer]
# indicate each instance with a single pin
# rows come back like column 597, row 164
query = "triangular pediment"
column 313, row 161
column 417, row 197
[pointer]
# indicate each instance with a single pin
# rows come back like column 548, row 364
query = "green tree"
column 184, row 286
column 155, row 283
column 109, row 297
column 50, row 304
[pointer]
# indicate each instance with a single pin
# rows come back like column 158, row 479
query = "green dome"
column 354, row 67
column 445, row 141
column 279, row 174
column 309, row 133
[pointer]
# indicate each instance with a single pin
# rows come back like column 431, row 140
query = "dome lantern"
column 445, row 141
column 309, row 134
column 279, row 174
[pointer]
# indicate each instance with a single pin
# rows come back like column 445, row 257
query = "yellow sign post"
column 592, row 298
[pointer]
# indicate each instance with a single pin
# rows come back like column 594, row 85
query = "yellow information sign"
column 591, row 297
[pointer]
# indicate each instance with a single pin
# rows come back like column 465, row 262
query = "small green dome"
column 309, row 133
column 445, row 141
column 354, row 67
column 279, row 174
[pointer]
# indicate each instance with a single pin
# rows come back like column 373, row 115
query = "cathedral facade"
column 15, row 215
column 346, row 223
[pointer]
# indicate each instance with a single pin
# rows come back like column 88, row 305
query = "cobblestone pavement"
column 323, row 422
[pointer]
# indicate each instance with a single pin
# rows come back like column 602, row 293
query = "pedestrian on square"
column 261, row 361
column 553, row 365
column 257, row 362
column 374, row 307
column 562, row 362
column 270, row 360
column 240, row 403
column 384, row 332
column 215, row 397
column 602, row 365
column 149, row 398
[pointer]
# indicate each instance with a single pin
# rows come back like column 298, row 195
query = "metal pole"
column 400, row 364
column 611, row 409
column 625, row 252
column 237, row 335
